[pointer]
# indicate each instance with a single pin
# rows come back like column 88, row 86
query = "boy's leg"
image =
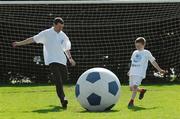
column 142, row 92
column 134, row 82
column 131, row 85
column 134, row 92
column 137, row 82
column 139, row 89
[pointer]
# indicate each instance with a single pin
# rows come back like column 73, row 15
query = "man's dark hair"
column 58, row 20
column 140, row 40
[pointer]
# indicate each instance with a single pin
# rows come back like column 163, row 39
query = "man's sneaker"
column 64, row 104
column 141, row 95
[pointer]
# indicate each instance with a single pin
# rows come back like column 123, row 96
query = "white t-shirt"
column 139, row 62
column 54, row 45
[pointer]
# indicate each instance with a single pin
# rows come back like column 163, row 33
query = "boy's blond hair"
column 141, row 40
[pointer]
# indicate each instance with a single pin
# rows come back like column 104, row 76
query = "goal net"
column 102, row 35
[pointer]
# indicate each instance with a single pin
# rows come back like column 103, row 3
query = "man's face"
column 59, row 26
column 139, row 46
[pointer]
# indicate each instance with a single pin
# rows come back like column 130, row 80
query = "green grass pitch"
column 41, row 102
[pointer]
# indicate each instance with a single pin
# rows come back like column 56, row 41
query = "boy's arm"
column 24, row 42
column 128, row 73
column 129, row 69
column 129, row 65
column 155, row 64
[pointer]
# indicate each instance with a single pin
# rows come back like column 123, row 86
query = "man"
column 137, row 72
column 55, row 45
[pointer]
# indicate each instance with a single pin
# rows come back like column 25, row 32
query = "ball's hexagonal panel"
column 77, row 90
column 94, row 99
column 93, row 77
column 113, row 88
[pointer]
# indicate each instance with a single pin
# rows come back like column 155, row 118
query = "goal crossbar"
column 89, row 2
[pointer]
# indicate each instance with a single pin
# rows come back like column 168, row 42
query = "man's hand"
column 71, row 60
column 15, row 44
column 73, row 63
column 24, row 42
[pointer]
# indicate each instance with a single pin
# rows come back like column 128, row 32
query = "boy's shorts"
column 135, row 80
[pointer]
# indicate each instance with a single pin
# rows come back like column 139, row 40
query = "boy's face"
column 139, row 46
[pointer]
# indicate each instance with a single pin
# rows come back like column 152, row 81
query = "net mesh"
column 102, row 35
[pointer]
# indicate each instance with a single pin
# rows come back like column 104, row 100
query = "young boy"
column 137, row 72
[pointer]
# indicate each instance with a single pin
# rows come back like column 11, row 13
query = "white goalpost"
column 88, row 1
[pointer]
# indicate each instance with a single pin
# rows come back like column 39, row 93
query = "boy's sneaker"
column 130, row 105
column 141, row 95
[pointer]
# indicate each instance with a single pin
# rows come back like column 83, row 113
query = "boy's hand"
column 128, row 73
column 163, row 71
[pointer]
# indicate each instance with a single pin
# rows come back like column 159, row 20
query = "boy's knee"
column 131, row 88
column 135, row 87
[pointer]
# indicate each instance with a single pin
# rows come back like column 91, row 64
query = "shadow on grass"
column 109, row 111
column 32, row 85
column 51, row 109
column 138, row 108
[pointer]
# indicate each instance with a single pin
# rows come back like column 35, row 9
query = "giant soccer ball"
column 97, row 89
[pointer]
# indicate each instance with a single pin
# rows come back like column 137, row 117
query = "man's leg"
column 57, row 75
column 64, row 72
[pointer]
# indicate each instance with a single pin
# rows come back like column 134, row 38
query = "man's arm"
column 155, row 64
column 24, row 42
column 71, row 60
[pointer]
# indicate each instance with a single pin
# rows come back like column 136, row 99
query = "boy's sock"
column 131, row 103
column 140, row 90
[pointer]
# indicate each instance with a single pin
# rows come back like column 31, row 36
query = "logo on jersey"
column 62, row 41
column 137, row 58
